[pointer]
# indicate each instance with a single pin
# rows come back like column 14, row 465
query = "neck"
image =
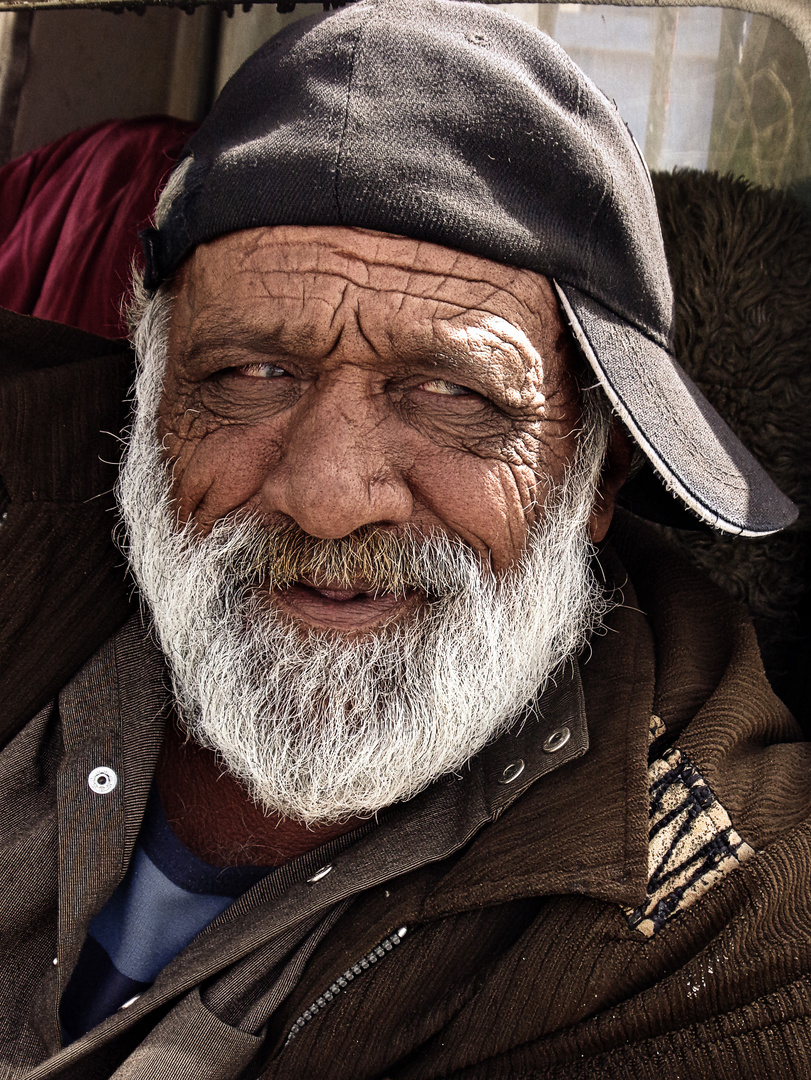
column 213, row 816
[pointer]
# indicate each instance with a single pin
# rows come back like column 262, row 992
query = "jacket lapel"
column 584, row 827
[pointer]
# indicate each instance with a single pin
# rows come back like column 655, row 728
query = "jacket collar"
column 679, row 648
column 582, row 828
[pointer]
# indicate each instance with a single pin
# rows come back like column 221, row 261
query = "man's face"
column 367, row 439
column 342, row 378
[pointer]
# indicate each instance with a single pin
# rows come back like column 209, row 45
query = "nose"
column 338, row 467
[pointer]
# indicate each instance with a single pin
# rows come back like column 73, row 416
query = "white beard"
column 319, row 727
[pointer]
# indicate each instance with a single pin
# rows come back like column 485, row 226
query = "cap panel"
column 691, row 448
column 267, row 152
column 503, row 149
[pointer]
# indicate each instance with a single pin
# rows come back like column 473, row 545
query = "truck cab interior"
column 96, row 101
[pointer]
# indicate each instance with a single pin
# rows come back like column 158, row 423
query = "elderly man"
column 408, row 767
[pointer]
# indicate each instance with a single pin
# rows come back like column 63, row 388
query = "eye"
column 261, row 371
column 449, row 389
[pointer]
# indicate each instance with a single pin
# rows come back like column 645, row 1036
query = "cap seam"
column 342, row 140
column 592, row 228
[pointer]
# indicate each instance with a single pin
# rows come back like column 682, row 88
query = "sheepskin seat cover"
column 740, row 259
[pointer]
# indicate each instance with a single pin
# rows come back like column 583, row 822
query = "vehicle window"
column 699, row 87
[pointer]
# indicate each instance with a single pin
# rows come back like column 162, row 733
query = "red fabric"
column 70, row 214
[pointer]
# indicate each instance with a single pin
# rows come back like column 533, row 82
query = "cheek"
column 481, row 500
column 222, row 471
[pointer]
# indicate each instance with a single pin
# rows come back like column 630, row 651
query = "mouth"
column 330, row 605
column 341, row 593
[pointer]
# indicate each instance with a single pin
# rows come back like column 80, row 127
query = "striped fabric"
column 167, row 897
column 692, row 840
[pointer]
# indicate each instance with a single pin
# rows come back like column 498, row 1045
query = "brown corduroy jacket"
column 638, row 909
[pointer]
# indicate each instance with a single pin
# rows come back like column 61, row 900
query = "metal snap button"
column 512, row 772
column 557, row 740
column 102, row 780
column 322, row 873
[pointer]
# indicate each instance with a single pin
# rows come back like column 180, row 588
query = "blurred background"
column 705, row 87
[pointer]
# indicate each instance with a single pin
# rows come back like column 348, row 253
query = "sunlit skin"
column 342, row 378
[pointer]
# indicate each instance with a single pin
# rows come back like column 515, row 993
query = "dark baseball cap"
column 455, row 123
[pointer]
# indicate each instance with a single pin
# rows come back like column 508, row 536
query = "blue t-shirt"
column 167, row 897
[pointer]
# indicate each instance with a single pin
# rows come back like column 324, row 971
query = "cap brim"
column 688, row 444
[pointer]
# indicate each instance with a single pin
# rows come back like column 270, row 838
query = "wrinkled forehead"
column 311, row 282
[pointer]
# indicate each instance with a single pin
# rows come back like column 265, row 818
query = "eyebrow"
column 228, row 337
column 279, row 341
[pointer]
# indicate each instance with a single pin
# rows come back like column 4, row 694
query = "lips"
column 333, row 605
column 340, row 593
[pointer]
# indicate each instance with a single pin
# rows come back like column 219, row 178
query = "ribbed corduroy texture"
column 52, row 418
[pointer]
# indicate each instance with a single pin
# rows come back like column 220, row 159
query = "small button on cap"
column 557, row 740
column 512, row 772
column 102, row 780
column 322, row 873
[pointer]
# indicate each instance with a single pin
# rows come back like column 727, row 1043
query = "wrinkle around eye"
column 232, row 396
column 467, row 427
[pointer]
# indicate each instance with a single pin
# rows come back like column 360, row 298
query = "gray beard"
column 317, row 726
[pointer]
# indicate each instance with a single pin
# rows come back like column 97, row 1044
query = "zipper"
column 378, row 953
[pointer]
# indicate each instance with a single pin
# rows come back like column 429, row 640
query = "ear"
column 615, row 472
